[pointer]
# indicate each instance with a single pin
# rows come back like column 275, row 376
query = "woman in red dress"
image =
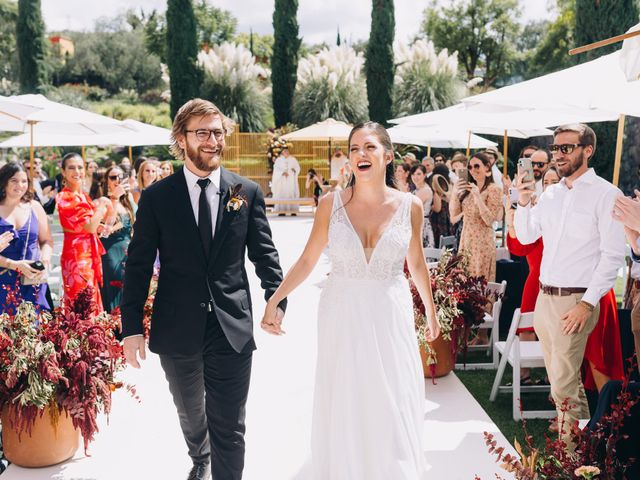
column 80, row 219
column 603, row 354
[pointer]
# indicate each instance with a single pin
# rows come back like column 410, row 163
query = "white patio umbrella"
column 328, row 130
column 437, row 137
column 57, row 119
column 11, row 113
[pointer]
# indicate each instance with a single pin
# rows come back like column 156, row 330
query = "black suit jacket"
column 189, row 280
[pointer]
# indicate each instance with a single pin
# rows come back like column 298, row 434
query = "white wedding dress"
column 369, row 394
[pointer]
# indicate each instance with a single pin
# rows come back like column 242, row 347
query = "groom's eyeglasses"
column 204, row 134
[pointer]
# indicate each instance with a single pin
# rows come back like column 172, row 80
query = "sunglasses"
column 565, row 148
column 116, row 177
column 539, row 164
column 475, row 167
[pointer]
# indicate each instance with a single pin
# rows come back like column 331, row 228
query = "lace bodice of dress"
column 347, row 254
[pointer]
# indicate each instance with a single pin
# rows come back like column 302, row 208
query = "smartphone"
column 37, row 265
column 525, row 166
column 463, row 174
column 513, row 195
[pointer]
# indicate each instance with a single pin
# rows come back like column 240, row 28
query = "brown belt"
column 561, row 291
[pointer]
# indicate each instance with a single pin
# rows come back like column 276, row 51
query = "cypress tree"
column 597, row 20
column 338, row 39
column 182, row 52
column 379, row 60
column 31, row 47
column 284, row 61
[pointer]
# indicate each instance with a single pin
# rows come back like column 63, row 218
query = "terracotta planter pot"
column 445, row 359
column 45, row 446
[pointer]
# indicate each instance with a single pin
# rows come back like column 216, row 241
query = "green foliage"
column 214, row 24
column 483, row 32
column 551, row 53
column 596, row 21
column 232, row 81
column 157, row 115
column 8, row 47
column 113, row 61
column 284, row 61
column 261, row 46
column 379, row 60
column 182, row 51
column 425, row 81
column 32, row 50
column 155, row 35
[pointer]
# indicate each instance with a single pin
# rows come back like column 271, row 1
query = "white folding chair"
column 448, row 242
column 491, row 321
column 432, row 254
column 519, row 355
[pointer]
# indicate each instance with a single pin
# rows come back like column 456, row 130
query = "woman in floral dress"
column 81, row 220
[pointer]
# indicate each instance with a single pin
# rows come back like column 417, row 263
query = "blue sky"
column 318, row 20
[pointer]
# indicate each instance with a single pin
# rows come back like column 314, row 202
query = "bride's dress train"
column 369, row 394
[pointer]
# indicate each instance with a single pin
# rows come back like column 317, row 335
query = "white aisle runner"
column 143, row 440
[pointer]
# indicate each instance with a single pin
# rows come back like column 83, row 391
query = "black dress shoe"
column 200, row 471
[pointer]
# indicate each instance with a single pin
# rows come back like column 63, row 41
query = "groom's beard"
column 205, row 162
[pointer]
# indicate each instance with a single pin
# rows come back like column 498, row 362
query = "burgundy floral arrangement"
column 461, row 301
column 595, row 452
column 66, row 360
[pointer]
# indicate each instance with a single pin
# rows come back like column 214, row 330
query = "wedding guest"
column 166, row 169
column 80, row 219
column 480, row 202
column 284, row 183
column 493, row 155
column 440, row 219
column 137, row 162
column 91, row 168
column 425, row 194
column 429, row 164
column 627, row 211
column 584, row 247
column 527, row 151
column 603, row 354
column 147, row 175
column 402, row 172
column 540, row 161
column 25, row 237
column 458, row 162
column 125, row 164
column 439, row 158
column 316, row 182
column 116, row 241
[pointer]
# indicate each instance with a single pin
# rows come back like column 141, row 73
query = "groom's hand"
column 132, row 347
column 272, row 320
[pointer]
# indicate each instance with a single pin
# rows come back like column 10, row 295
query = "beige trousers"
column 635, row 328
column 563, row 355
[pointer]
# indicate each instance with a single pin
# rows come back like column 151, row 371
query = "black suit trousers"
column 210, row 392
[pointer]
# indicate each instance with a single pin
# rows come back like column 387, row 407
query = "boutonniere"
column 236, row 199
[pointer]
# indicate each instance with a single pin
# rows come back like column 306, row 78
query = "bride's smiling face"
column 367, row 156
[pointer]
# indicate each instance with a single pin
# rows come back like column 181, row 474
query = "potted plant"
column 57, row 372
column 461, row 301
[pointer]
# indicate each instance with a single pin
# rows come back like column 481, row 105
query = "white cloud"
column 318, row 19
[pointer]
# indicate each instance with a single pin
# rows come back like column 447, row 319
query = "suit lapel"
column 223, row 216
column 185, row 212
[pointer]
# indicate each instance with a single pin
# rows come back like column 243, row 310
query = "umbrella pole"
column 618, row 156
column 31, row 155
column 130, row 154
column 506, row 151
column 468, row 143
column 83, row 155
column 428, row 150
column 330, row 145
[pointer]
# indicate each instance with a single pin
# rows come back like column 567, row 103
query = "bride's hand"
column 433, row 330
column 272, row 320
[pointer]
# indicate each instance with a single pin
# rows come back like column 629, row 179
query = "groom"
column 201, row 221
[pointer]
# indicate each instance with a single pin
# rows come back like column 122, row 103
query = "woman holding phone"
column 479, row 200
column 117, row 235
column 23, row 224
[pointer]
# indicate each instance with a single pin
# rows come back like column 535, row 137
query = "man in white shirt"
column 583, row 250
column 540, row 160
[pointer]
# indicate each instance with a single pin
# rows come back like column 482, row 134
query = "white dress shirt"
column 539, row 188
column 583, row 245
column 211, row 191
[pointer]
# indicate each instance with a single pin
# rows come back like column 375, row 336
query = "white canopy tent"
column 437, row 137
column 327, row 130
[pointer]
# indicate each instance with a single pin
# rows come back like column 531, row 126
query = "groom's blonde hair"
column 196, row 107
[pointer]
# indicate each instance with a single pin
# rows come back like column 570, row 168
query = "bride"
column 368, row 408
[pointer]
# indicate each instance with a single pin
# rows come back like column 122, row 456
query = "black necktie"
column 204, row 216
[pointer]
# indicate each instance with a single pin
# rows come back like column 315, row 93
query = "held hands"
column 526, row 190
column 575, row 319
column 272, row 319
column 132, row 347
